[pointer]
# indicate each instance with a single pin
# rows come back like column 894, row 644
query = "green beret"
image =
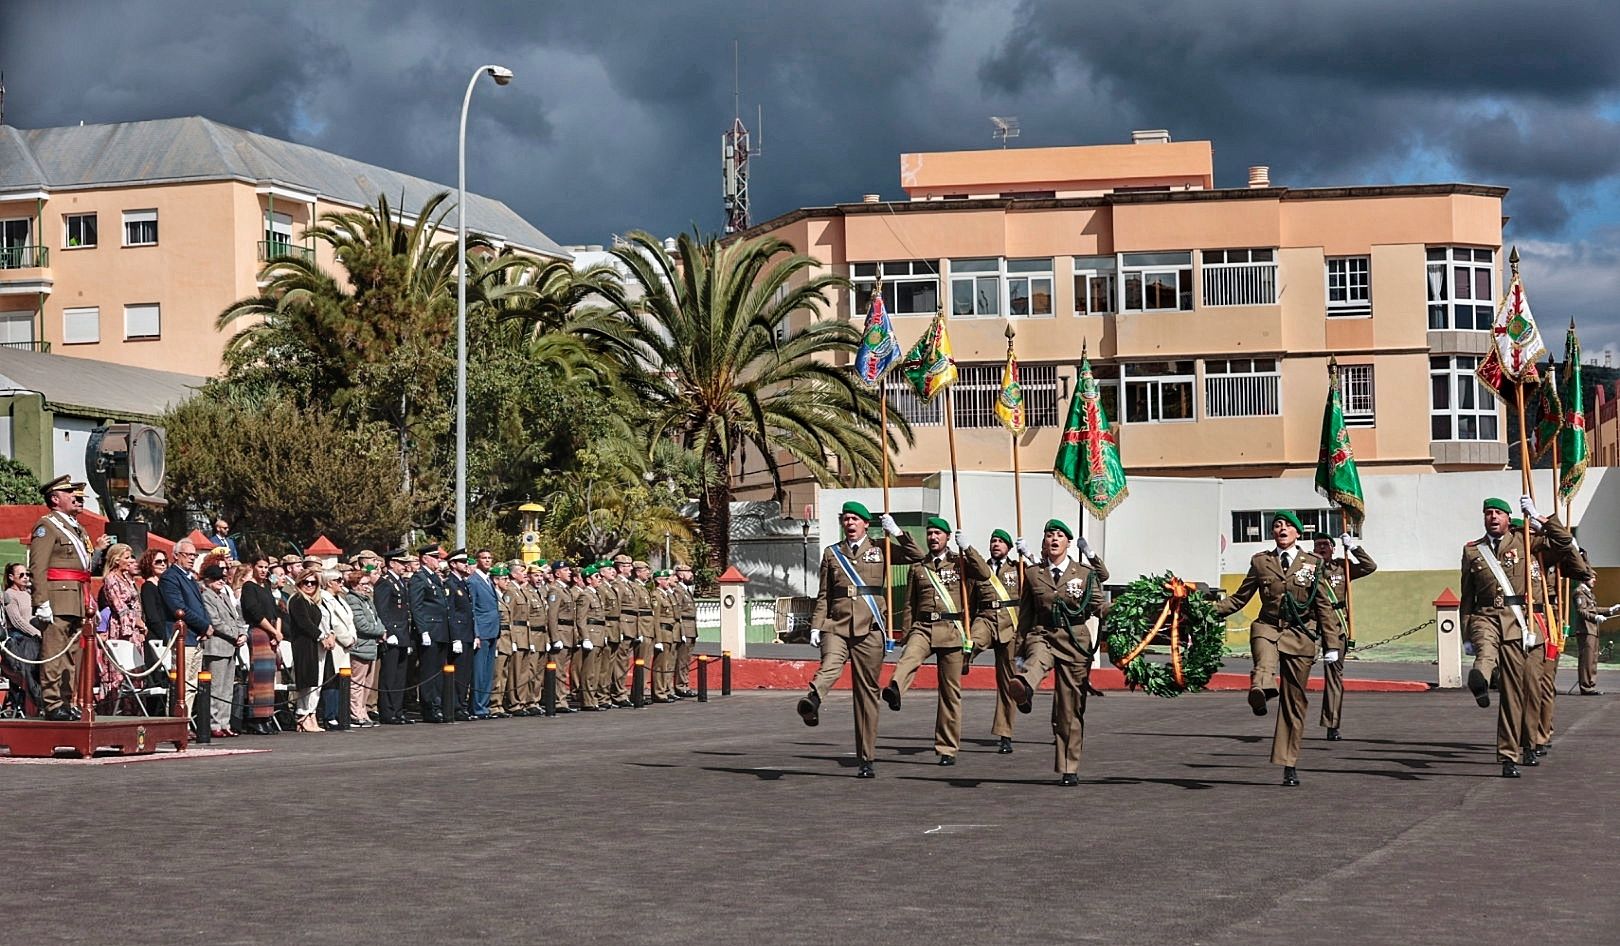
column 1516, row 522
column 854, row 507
column 1060, row 526
column 543, row 562
column 1002, row 535
column 663, row 573
column 935, row 522
column 498, row 571
column 1290, row 517
column 588, row 570
column 1499, row 504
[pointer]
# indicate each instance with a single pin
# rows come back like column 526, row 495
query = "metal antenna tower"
column 1006, row 127
column 736, row 148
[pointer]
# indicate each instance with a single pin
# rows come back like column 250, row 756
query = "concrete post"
column 733, row 613
column 1448, row 636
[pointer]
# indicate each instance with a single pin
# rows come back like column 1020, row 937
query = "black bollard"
column 548, row 689
column 345, row 681
column 449, row 692
column 725, row 673
column 201, row 710
column 638, row 684
column 703, row 678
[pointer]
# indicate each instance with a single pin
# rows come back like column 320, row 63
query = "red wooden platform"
column 124, row 735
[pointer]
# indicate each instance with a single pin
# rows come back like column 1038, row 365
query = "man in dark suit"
column 430, row 623
column 463, row 639
column 486, row 619
column 394, row 610
column 182, row 600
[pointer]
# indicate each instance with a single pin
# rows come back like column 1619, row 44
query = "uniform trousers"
column 644, row 652
column 58, row 676
column 395, row 661
column 1513, row 698
column 948, row 660
column 1587, row 660
column 663, row 678
column 430, row 661
column 501, row 679
column 464, row 677
column 619, row 670
column 983, row 633
column 1542, row 696
column 521, row 686
column 1069, row 677
column 483, row 676
column 1294, row 672
column 864, row 655
column 683, row 663
column 580, row 667
column 1332, row 692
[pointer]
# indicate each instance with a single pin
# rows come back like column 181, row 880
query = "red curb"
column 754, row 673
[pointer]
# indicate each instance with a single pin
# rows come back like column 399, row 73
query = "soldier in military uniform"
column 514, row 700
column 1296, row 616
column 590, row 623
column 996, row 586
column 462, row 636
column 686, row 627
column 59, row 559
column 849, row 625
column 1504, row 619
column 665, row 634
column 430, row 623
column 1361, row 565
column 1059, row 596
column 560, row 626
column 637, row 597
column 501, row 575
column 394, row 611
column 1588, row 620
column 615, row 661
column 935, row 588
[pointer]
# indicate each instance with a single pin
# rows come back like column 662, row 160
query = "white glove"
column 1082, row 547
column 815, row 636
column 1350, row 542
column 533, row 649
column 1613, row 610
column 1331, row 656
column 586, row 644
column 427, row 639
column 961, row 543
column 658, row 648
column 43, row 612
column 639, row 638
column 556, row 647
column 1528, row 507
column 1535, row 525
column 455, row 647
column 1023, row 549
column 890, row 526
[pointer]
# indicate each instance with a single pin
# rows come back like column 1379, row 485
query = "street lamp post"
column 502, row 76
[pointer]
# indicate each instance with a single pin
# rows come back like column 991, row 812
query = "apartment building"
column 124, row 242
column 1209, row 313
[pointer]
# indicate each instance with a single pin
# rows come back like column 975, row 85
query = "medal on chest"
column 1075, row 587
column 872, row 555
column 1305, row 574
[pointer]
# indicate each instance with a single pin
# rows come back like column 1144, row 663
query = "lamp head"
column 500, row 74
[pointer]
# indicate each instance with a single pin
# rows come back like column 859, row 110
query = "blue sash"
column 855, row 581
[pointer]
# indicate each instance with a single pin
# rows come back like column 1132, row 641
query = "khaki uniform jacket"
column 51, row 547
column 639, row 601
column 1296, row 607
column 535, row 600
column 1080, row 586
column 686, row 607
column 503, row 604
column 1590, row 617
column 560, row 614
column 839, row 608
column 521, row 617
column 608, row 594
column 589, row 623
column 1362, row 566
column 666, row 616
column 940, row 618
column 1486, row 606
column 988, row 608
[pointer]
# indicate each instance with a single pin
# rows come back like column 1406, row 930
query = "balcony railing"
column 43, row 347
column 24, row 257
column 275, row 249
column 1240, row 284
column 1242, row 395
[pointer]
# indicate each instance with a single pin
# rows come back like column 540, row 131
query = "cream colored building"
column 124, row 242
column 1210, row 313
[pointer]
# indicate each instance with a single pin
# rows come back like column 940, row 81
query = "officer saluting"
column 849, row 624
column 59, row 556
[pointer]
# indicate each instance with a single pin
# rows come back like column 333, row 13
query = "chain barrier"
column 1362, row 648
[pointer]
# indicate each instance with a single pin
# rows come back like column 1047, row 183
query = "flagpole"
column 956, row 515
column 1018, row 486
column 888, row 581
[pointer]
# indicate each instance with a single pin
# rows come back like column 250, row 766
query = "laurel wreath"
column 1163, row 600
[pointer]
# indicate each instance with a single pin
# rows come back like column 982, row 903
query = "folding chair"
column 126, row 658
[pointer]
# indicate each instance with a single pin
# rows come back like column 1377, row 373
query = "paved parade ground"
column 731, row 822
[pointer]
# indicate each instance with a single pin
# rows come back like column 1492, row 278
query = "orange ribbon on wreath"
column 1174, row 605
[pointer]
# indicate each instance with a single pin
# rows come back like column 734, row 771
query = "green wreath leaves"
column 1202, row 636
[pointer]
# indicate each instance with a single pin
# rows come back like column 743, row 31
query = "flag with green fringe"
column 1573, row 450
column 1336, row 475
column 929, row 365
column 1087, row 461
column 1549, row 415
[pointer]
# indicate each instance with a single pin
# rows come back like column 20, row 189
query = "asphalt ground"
column 732, row 822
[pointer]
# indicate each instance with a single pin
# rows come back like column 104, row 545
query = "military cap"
column 1002, row 535
column 1290, row 517
column 663, row 573
column 559, row 565
column 1516, row 523
column 535, row 568
column 459, row 555
column 497, row 571
column 432, row 549
column 60, row 484
column 393, row 555
column 621, row 559
column 589, row 571
column 853, row 507
column 1500, row 505
column 936, row 522
column 640, row 564
column 312, row 560
column 1058, row 525
column 682, row 567
column 290, row 559
column 543, row 562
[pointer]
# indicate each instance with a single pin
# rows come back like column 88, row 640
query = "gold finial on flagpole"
column 1513, row 259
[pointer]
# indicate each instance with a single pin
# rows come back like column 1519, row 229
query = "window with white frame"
column 1462, row 291
column 1356, row 391
column 1095, row 279
column 1242, row 387
column 978, row 387
column 1460, row 408
column 79, row 231
column 1158, row 391
column 1157, row 282
column 1349, row 285
column 975, row 287
column 278, row 228
column 1029, row 287
column 16, row 328
column 1107, row 377
column 81, row 326
column 140, row 228
column 142, row 322
column 1240, row 277
column 904, row 402
column 910, row 287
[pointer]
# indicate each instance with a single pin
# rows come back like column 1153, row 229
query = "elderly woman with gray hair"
column 219, row 645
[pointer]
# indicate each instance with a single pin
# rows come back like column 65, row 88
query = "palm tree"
column 725, row 367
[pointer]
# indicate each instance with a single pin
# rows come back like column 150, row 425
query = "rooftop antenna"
column 2, row 97
column 1006, row 127
column 735, row 149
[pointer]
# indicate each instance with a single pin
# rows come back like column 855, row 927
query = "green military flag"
column 929, row 365
column 1549, row 415
column 1573, row 450
column 1088, row 454
column 1336, row 474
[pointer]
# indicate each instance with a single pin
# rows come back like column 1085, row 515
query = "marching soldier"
column 560, row 626
column 1296, row 615
column 59, row 559
column 639, row 598
column 666, row 631
column 1589, row 618
column 394, row 611
column 1059, row 596
column 686, row 627
column 1543, row 674
column 996, row 588
column 934, row 593
column 849, row 624
column 1504, row 619
column 1361, row 566
column 430, row 622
